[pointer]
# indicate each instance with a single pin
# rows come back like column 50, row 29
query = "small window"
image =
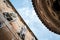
column 6, row 3
column 23, row 36
column 7, row 16
column 22, row 33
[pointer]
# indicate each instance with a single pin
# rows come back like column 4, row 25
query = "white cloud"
column 27, row 13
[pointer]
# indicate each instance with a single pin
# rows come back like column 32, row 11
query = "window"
column 22, row 33
column 23, row 36
column 6, row 3
column 7, row 16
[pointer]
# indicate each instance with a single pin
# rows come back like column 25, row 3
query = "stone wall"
column 14, row 28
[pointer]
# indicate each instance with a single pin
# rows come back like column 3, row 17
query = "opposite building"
column 12, row 26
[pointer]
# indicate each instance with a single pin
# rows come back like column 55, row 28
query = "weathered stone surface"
column 49, row 13
column 13, row 24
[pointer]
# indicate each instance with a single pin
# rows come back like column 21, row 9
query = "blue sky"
column 26, row 10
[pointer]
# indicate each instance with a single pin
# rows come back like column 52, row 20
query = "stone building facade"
column 12, row 26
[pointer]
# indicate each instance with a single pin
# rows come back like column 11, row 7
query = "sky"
column 27, row 12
